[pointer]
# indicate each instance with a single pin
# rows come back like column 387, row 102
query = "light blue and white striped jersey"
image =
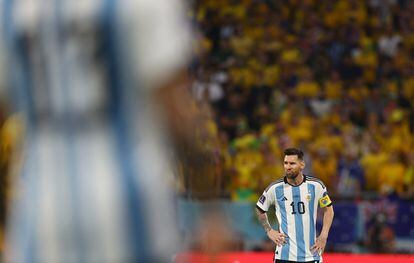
column 93, row 185
column 296, row 211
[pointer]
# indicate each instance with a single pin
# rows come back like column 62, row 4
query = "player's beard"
column 292, row 174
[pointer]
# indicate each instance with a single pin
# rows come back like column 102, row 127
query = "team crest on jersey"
column 308, row 197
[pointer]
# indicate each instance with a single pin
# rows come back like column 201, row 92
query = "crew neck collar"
column 286, row 181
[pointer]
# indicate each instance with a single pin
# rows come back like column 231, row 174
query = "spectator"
column 351, row 180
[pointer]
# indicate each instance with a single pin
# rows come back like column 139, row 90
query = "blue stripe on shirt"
column 137, row 228
column 300, row 238
column 24, row 235
column 21, row 73
column 73, row 173
column 284, row 225
column 311, row 190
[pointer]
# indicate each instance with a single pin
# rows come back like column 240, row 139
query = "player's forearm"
column 327, row 220
column 264, row 221
column 177, row 106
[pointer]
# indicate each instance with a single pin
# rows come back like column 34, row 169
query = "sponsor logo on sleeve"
column 262, row 199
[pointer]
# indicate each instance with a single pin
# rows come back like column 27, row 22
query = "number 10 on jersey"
column 298, row 207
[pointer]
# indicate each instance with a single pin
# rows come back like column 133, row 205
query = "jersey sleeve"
column 323, row 197
column 266, row 200
column 159, row 40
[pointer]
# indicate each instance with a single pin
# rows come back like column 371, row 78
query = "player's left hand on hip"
column 319, row 245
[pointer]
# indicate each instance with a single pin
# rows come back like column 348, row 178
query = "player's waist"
column 288, row 261
column 67, row 121
column 296, row 258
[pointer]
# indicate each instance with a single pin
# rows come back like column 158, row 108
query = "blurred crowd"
column 335, row 78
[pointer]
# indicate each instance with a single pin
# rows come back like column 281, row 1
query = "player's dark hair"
column 294, row 151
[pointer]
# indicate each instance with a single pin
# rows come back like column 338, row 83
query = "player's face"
column 293, row 166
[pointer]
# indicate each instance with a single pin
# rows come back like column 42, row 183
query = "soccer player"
column 94, row 80
column 296, row 198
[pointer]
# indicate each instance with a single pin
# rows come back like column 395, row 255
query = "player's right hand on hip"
column 277, row 237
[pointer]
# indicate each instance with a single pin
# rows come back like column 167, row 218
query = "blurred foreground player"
column 98, row 81
column 296, row 197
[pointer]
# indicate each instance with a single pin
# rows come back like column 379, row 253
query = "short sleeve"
column 266, row 200
column 159, row 39
column 323, row 197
